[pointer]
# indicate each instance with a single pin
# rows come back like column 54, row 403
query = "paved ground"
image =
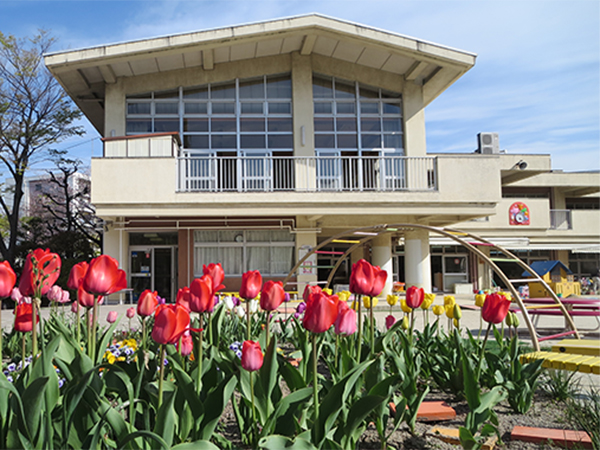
column 469, row 320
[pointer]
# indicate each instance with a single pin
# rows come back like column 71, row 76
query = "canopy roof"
column 543, row 267
column 84, row 73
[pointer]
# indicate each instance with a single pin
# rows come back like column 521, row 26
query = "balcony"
column 560, row 219
column 267, row 173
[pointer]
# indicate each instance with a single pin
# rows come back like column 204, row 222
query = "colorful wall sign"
column 518, row 214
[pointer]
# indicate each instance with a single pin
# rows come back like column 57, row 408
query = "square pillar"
column 417, row 262
column 381, row 255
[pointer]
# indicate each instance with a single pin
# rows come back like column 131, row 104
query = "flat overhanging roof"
column 84, row 73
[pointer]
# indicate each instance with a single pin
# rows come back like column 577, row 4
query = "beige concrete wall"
column 539, row 209
column 115, row 243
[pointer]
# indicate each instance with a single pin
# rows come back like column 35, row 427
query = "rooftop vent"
column 488, row 144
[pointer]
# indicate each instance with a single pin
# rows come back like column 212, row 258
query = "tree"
column 35, row 113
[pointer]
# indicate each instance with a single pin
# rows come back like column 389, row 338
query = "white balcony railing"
column 560, row 219
column 265, row 173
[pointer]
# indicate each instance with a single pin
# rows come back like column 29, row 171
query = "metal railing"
column 266, row 173
column 560, row 219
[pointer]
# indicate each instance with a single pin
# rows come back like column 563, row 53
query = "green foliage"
column 560, row 385
column 584, row 413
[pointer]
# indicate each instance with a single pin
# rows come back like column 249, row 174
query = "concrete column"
column 115, row 243
column 305, row 242
column 414, row 120
column 381, row 255
column 484, row 271
column 115, row 104
column 417, row 263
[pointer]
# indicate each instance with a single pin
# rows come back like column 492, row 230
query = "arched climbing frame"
column 360, row 236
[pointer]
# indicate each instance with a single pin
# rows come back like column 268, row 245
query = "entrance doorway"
column 153, row 268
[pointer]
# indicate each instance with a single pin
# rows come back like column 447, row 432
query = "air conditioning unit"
column 488, row 143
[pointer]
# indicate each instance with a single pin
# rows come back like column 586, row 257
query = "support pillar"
column 308, row 274
column 484, row 271
column 381, row 255
column 417, row 262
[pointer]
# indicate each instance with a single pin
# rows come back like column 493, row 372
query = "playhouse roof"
column 543, row 267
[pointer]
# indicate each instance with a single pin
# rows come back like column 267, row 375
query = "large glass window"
column 269, row 251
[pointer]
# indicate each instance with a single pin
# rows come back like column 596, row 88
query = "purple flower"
column 301, row 308
column 161, row 301
column 286, row 297
column 236, row 301
column 216, row 300
column 61, row 383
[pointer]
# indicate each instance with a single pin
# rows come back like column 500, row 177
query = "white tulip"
column 239, row 311
column 253, row 306
column 228, row 303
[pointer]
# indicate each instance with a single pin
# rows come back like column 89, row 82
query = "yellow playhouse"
column 557, row 276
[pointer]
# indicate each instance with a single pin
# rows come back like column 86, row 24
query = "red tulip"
column 41, row 270
column 379, row 279
column 86, row 299
column 112, row 317
column 215, row 271
column 104, row 276
column 147, row 303
column 170, row 322
column 414, row 297
column 252, row 356
column 361, row 278
column 185, row 345
column 251, row 284
column 310, row 289
column 389, row 321
column 183, row 297
column 7, row 279
column 321, row 312
column 23, row 313
column 76, row 275
column 272, row 295
column 495, row 308
column 130, row 313
column 201, row 297
column 346, row 320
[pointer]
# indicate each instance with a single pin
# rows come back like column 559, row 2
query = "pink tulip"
column 186, row 343
column 16, row 295
column 75, row 307
column 346, row 320
column 390, row 321
column 414, row 297
column 252, row 356
column 112, row 317
column 130, row 313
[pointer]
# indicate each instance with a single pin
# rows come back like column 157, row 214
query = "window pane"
column 343, row 90
column 252, row 89
column 195, row 108
column 277, row 124
column 322, row 88
column 258, row 236
column 392, row 141
column 205, row 256
column 280, row 108
column 346, row 108
column 139, row 126
column 167, row 95
column 138, row 108
column 346, row 124
column 231, row 260
column 323, row 108
column 227, row 125
column 281, row 236
column 195, row 124
column 252, row 124
column 223, row 141
column 368, row 93
column 369, row 108
column 252, row 108
column 347, row 141
column 229, row 235
column 370, row 124
column 392, row 125
column 166, row 108
column 279, row 87
column 281, row 260
column 324, row 141
column 143, row 95
column 223, row 91
column 257, row 258
column 199, row 93
column 323, row 124
column 252, row 141
column 223, row 108
column 162, row 125
column 391, row 108
column 370, row 141
column 195, row 141
column 206, row 236
column 281, row 141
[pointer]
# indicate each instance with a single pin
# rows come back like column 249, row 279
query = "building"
column 249, row 145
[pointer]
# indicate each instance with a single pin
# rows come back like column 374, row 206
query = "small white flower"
column 253, row 306
column 229, row 303
column 239, row 310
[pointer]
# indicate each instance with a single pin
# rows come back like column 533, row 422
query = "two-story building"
column 250, row 145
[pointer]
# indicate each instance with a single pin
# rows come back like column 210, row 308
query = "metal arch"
column 452, row 234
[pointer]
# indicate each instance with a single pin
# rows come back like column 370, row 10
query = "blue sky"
column 536, row 80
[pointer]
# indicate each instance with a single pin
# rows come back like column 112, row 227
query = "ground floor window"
column 584, row 264
column 269, row 251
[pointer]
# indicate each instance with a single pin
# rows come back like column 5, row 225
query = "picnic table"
column 575, row 306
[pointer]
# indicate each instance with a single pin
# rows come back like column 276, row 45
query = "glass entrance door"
column 455, row 271
column 153, row 268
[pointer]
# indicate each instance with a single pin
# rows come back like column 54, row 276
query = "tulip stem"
column 254, row 433
column 34, row 344
column 209, row 329
column 23, row 350
column 412, row 326
column 78, row 327
column 161, row 374
column 487, row 333
column 248, row 319
column 200, row 356
column 268, row 326
column 359, row 341
column 372, row 327
column 89, row 331
column 315, row 387
column 94, row 320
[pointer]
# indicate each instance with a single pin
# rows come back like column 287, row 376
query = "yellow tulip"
column 405, row 307
column 449, row 300
column 370, row 302
column 427, row 301
column 456, row 323
column 479, row 300
column 506, row 295
column 405, row 323
column 449, row 311
column 354, row 305
column 438, row 310
column 392, row 299
column 328, row 291
column 343, row 296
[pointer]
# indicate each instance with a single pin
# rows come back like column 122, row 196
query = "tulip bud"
column 456, row 323
column 515, row 320
column 405, row 324
column 112, row 317
column 405, row 307
column 130, row 313
column 457, row 313
column 449, row 311
column 75, row 307
column 508, row 320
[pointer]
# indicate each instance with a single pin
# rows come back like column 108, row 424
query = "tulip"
column 328, row 291
column 405, row 307
column 201, row 297
column 392, row 299
column 344, row 296
column 130, row 313
column 253, row 306
column 449, row 311
column 240, row 312
column 390, row 321
column 170, row 322
column 345, row 323
column 23, row 317
column 252, row 356
column 7, row 279
column 75, row 307
column 370, row 302
column 309, row 289
column 147, row 303
column 321, row 312
column 379, row 279
column 41, row 270
column 216, row 274
column 76, row 275
column 449, row 300
column 84, row 298
column 251, row 284
column 301, row 307
column 104, row 277
column 112, row 317
column 427, row 300
column 229, row 304
column 495, row 308
column 438, row 310
column 479, row 300
column 183, row 297
column 405, row 325
column 362, row 277
column 16, row 295
column 414, row 297
column 272, row 295
column 185, row 345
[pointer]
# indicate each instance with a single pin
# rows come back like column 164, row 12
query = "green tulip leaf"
column 166, row 419
column 276, row 442
column 215, row 404
column 196, row 445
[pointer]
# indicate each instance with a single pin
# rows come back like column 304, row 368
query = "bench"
column 581, row 355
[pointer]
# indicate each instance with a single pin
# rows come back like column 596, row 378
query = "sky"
column 536, row 80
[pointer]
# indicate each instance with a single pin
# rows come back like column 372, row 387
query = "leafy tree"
column 35, row 113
